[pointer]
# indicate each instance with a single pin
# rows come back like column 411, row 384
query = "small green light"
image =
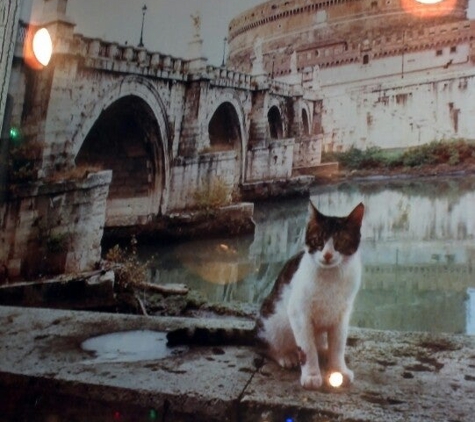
column 153, row 415
column 15, row 134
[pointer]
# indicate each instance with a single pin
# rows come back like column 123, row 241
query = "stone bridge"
column 169, row 129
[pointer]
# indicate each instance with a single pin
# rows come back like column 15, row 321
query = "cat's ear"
column 312, row 211
column 356, row 216
column 314, row 214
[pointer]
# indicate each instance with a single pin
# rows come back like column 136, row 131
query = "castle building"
column 392, row 73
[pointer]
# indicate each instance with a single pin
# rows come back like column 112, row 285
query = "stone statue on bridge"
column 196, row 18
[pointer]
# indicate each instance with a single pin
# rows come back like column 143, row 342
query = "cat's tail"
column 213, row 336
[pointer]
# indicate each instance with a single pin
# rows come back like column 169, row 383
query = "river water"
column 417, row 249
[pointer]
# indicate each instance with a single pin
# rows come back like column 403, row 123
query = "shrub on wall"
column 217, row 194
column 24, row 161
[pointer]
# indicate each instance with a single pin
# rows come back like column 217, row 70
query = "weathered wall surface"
column 329, row 33
column 398, row 115
column 51, row 228
column 307, row 152
column 193, row 177
column 270, row 162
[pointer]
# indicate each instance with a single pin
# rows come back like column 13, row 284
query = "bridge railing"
column 281, row 87
column 226, row 77
column 104, row 53
column 223, row 76
column 97, row 48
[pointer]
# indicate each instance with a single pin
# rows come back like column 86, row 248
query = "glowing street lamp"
column 38, row 48
column 43, row 46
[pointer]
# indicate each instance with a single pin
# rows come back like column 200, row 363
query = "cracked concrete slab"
column 398, row 377
column 45, row 373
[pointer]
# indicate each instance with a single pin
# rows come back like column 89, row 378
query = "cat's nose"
column 328, row 257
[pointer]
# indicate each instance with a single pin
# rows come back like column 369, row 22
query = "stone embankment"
column 45, row 375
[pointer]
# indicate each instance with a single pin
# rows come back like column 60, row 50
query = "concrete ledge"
column 231, row 220
column 90, row 290
column 277, row 188
column 45, row 374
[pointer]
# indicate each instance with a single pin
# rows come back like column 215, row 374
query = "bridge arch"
column 127, row 131
column 276, row 126
column 306, row 123
column 226, row 129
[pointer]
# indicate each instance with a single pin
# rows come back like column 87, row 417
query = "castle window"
column 366, row 59
column 439, row 52
column 317, row 53
column 453, row 49
column 374, row 4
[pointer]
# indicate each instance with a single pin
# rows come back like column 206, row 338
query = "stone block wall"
column 391, row 115
column 191, row 175
column 272, row 161
column 51, row 228
column 307, row 152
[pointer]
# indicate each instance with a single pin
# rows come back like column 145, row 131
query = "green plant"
column 131, row 271
column 217, row 194
column 451, row 152
column 358, row 159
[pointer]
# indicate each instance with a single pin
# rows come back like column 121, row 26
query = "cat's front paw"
column 311, row 381
column 348, row 376
column 288, row 361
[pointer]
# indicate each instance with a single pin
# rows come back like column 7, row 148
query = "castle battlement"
column 338, row 10
column 339, row 32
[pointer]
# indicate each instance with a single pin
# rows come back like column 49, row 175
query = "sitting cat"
column 308, row 309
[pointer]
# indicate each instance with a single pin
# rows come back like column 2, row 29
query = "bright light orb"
column 429, row 8
column 43, row 46
column 336, row 379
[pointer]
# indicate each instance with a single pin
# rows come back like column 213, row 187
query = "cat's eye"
column 316, row 244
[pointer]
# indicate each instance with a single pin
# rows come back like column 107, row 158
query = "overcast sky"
column 168, row 25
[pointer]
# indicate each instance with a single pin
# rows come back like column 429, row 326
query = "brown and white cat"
column 309, row 308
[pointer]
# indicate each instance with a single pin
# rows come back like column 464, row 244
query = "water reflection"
column 417, row 251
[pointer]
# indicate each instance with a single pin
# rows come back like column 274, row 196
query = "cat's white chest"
column 324, row 294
